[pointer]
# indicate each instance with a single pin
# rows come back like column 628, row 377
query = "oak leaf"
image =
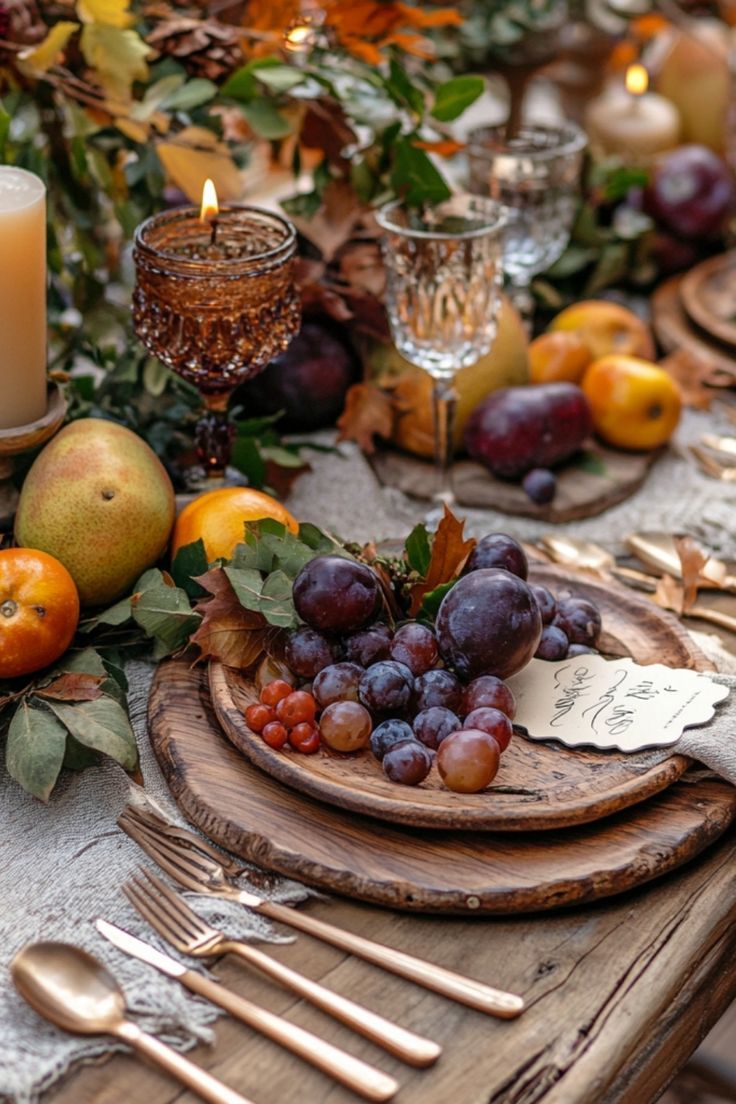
column 692, row 560
column 73, row 686
column 196, row 155
column 368, row 413
column 229, row 632
column 670, row 595
column 450, row 552
column 118, row 57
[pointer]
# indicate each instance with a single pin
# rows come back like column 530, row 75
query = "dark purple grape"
column 488, row 624
column 578, row 650
column 338, row 682
column 390, row 732
column 579, row 620
column 540, row 485
column 437, row 687
column 408, row 763
column 386, row 687
column 488, row 692
column 553, row 645
column 433, row 724
column 546, row 601
column 415, row 645
column 493, row 722
column 498, row 550
column 369, row 645
column 334, row 594
column 308, row 651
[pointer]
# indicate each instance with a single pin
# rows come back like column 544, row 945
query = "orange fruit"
column 39, row 611
column 606, row 328
column 558, row 356
column 634, row 404
column 219, row 517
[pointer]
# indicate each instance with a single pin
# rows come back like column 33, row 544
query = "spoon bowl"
column 587, row 556
column 69, row 987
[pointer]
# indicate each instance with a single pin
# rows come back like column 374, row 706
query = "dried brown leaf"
column 670, row 595
column 691, row 373
column 449, row 553
column 692, row 559
column 334, row 222
column 73, row 686
column 361, row 266
column 228, row 632
column 368, row 413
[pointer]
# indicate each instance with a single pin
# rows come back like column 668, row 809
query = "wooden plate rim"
column 691, row 290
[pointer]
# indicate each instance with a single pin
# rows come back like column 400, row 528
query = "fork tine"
column 198, row 865
column 178, row 907
column 183, row 836
column 148, row 910
column 172, row 865
column 165, row 908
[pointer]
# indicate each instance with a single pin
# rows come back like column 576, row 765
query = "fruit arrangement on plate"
column 358, row 676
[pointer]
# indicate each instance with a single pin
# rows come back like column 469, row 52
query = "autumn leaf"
column 333, row 224
column 73, row 686
column 443, row 147
column 118, row 57
column 692, row 373
column 46, row 54
column 229, row 632
column 449, row 553
column 669, row 595
column 193, row 157
column 692, row 560
column 369, row 412
column 115, row 13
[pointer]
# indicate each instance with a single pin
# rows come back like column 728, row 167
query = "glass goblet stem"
column 214, row 434
column 521, row 296
column 444, row 403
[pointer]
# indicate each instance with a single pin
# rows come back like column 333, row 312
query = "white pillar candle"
column 633, row 123
column 23, row 338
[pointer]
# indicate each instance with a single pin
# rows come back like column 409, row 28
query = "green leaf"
column 114, row 616
column 454, row 96
column 246, row 457
column 102, row 725
column 35, row 749
column 574, row 259
column 591, row 462
column 414, row 176
column 192, row 94
column 266, row 120
column 79, row 757
column 190, row 561
column 402, row 91
column 241, row 85
column 432, row 601
column 318, row 540
column 418, row 549
column 280, row 78
column 88, row 661
column 164, row 613
column 272, row 599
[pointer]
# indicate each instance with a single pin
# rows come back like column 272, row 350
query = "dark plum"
column 492, row 721
column 334, row 594
column 579, row 619
column 308, row 651
column 415, row 645
column 369, row 645
column 540, row 485
column 553, row 645
column 546, row 601
column 390, row 732
column 408, row 763
column 437, row 687
column 386, row 687
column 498, row 550
column 488, row 624
column 488, row 691
column 432, row 725
column 338, row 682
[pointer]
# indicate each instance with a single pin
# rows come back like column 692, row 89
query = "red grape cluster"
column 416, row 695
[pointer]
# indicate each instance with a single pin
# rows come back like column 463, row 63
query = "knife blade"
column 124, row 941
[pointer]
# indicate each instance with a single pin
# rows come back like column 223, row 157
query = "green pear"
column 99, row 500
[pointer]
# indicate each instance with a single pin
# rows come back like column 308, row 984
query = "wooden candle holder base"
column 19, row 439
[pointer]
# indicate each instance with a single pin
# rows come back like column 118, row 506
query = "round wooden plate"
column 677, row 333
column 538, row 786
column 254, row 816
column 709, row 297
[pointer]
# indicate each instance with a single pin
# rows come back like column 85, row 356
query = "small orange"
column 606, row 328
column 39, row 611
column 219, row 518
column 634, row 404
column 558, row 356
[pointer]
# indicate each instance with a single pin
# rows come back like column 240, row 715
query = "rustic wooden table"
column 619, row 995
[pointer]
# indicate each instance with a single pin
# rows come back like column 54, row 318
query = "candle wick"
column 213, row 231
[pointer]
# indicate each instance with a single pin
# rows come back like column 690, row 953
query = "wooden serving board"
column 600, row 479
column 255, row 816
column 539, row 785
column 708, row 293
column 677, row 333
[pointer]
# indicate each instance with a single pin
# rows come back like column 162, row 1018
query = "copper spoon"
column 73, row 990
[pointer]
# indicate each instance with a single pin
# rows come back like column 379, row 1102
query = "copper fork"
column 167, row 912
column 201, row 874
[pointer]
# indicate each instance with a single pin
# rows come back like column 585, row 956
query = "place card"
column 592, row 701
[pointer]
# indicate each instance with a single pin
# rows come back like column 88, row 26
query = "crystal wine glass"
column 443, row 269
column 215, row 302
column 536, row 176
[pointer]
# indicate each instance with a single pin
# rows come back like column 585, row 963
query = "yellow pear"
column 99, row 500
column 691, row 69
column 505, row 365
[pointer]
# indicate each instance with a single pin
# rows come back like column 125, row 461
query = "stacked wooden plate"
column 697, row 313
column 557, row 826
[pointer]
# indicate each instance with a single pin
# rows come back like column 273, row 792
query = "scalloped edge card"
column 591, row 701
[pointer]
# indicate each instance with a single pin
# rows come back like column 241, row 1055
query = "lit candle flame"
column 210, row 207
column 637, row 80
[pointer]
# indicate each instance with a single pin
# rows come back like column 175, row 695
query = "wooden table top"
column 618, row 995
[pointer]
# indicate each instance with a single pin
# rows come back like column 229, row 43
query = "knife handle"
column 458, row 988
column 366, row 1080
column 413, row 1049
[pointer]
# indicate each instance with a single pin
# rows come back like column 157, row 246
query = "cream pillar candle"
column 22, row 297
column 632, row 122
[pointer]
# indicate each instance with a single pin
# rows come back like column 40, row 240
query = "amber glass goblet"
column 215, row 302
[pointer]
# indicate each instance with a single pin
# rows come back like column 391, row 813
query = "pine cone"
column 205, row 47
column 21, row 23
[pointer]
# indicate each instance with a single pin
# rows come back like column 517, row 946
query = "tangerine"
column 218, row 518
column 558, row 356
column 634, row 404
column 39, row 611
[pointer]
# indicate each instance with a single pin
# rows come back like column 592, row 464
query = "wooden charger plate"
column 677, row 333
column 258, row 818
column 539, row 785
column 708, row 294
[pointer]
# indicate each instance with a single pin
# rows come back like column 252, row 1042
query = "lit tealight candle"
column 22, row 297
column 634, row 123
